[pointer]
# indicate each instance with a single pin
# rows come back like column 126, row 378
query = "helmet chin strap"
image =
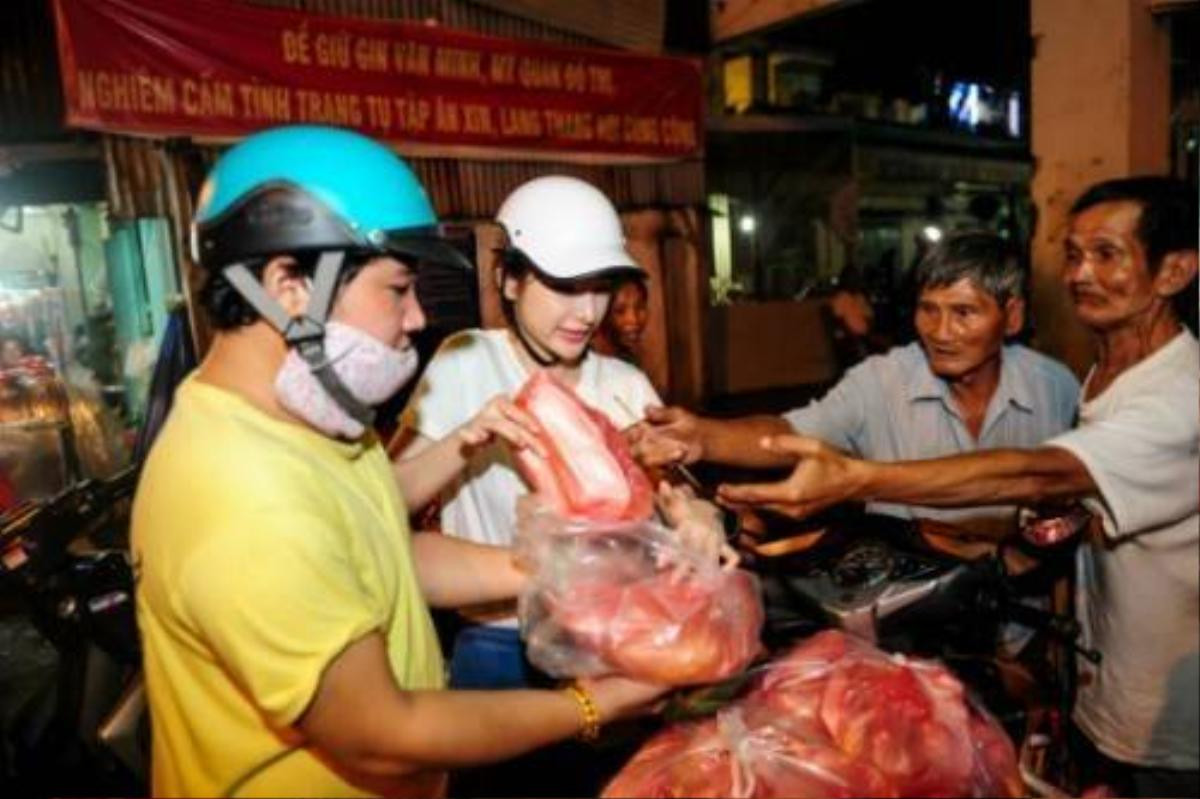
column 306, row 332
column 544, row 361
column 538, row 358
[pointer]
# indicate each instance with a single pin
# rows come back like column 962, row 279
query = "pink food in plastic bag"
column 793, row 686
column 909, row 720
column 589, row 472
column 680, row 761
column 908, row 717
column 995, row 771
column 666, row 628
column 865, row 724
column 736, row 756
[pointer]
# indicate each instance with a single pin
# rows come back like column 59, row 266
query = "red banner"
column 223, row 69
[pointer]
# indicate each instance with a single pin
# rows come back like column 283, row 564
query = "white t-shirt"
column 469, row 369
column 1139, row 589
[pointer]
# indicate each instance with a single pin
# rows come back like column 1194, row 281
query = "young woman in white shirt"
column 565, row 252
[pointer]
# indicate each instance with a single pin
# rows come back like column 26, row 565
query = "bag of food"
column 910, row 718
column 630, row 599
column 835, row 716
column 740, row 753
column 588, row 472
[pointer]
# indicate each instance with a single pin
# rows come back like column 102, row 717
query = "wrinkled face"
column 381, row 300
column 559, row 321
column 962, row 327
column 1105, row 268
column 628, row 315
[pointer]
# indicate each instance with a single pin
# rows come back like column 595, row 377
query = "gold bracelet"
column 589, row 730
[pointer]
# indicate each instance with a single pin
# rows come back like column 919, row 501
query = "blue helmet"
column 311, row 188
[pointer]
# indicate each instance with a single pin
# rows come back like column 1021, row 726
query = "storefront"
column 476, row 115
column 87, row 281
column 154, row 90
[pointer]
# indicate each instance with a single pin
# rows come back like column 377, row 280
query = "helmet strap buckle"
column 302, row 331
column 305, row 332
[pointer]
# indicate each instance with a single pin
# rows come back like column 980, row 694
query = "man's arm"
column 825, row 477
column 735, row 441
column 454, row 572
column 674, row 435
column 362, row 720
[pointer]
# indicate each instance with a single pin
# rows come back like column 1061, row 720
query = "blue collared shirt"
column 892, row 407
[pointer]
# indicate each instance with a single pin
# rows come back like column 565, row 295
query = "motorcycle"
column 887, row 581
column 65, row 563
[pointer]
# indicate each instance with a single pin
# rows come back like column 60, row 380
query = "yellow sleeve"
column 276, row 600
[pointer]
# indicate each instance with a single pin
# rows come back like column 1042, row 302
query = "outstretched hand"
column 666, row 436
column 501, row 418
column 823, row 476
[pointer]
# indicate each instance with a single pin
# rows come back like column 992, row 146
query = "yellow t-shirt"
column 262, row 550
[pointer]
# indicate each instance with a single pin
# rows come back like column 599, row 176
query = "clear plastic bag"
column 907, row 718
column 588, row 471
column 742, row 753
column 910, row 718
column 834, row 716
column 629, row 599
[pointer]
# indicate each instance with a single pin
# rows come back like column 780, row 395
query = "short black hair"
column 984, row 258
column 227, row 309
column 637, row 281
column 514, row 264
column 1168, row 222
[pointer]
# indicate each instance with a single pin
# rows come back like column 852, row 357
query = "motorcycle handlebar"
column 53, row 523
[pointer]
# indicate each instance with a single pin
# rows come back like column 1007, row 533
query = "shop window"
column 780, row 248
column 738, row 83
column 83, row 303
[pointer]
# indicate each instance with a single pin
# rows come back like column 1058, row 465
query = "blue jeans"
column 489, row 658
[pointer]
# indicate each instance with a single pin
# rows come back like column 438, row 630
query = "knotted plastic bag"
column 630, row 599
column 870, row 723
column 742, row 753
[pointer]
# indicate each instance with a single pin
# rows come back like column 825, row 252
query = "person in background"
column 851, row 321
column 12, row 349
column 1133, row 459
column 282, row 601
column 621, row 332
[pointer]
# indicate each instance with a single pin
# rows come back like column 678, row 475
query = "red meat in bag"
column 834, row 717
column 664, row 628
column 735, row 755
column 589, row 472
column 907, row 717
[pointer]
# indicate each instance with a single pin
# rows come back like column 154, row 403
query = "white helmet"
column 567, row 229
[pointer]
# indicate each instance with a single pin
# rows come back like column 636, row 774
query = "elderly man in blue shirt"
column 960, row 389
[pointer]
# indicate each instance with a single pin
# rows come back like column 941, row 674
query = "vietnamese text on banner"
column 223, row 69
